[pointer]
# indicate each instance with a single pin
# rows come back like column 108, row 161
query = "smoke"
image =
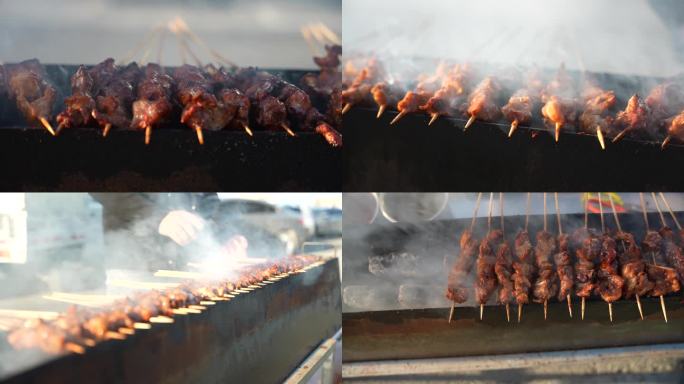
column 404, row 265
column 256, row 33
column 628, row 37
column 68, row 253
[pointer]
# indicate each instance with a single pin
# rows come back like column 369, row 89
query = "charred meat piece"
column 609, row 281
column 486, row 260
column 457, row 287
column 524, row 267
column 546, row 285
column 31, row 90
column 672, row 252
column 566, row 274
column 588, row 249
column 482, row 102
column 154, row 105
column 632, row 267
column 271, row 113
column 201, row 108
column 503, row 269
column 115, row 99
column 664, row 278
column 332, row 57
column 636, row 118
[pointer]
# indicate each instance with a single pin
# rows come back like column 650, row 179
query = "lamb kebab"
column 673, row 253
column 664, row 278
column 448, row 98
column 610, row 282
column 201, row 108
column 594, row 117
column 523, row 266
column 384, row 94
column 423, row 91
column 631, row 263
column 522, row 102
column 675, row 129
column 503, row 268
column 359, row 89
column 32, row 92
column 674, row 218
column 560, row 101
column 85, row 85
column 563, row 259
column 546, row 285
column 587, row 250
column 154, row 105
column 636, row 117
column 114, row 100
column 457, row 288
column 482, row 102
column 486, row 260
column 236, row 102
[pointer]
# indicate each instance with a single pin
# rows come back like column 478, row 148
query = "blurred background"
column 263, row 33
column 632, row 37
column 74, row 241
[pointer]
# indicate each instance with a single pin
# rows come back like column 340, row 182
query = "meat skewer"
column 523, row 266
column 502, row 267
column 665, row 279
column 631, row 265
column 457, row 291
column 635, row 118
column 546, row 285
column 154, row 104
column 85, row 84
column 486, row 259
column 597, row 102
column 450, row 95
column 201, row 108
column 560, row 104
column 672, row 252
column 520, row 105
column 609, row 283
column 33, row 94
column 425, row 89
column 482, row 102
column 113, row 101
column 675, row 130
column 587, row 249
column 563, row 260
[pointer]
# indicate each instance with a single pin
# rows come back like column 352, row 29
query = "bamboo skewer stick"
column 568, row 297
column 489, row 228
column 617, row 222
column 667, row 204
column 648, row 229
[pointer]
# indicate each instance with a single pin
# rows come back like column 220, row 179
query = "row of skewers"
column 453, row 90
column 202, row 98
column 609, row 264
column 79, row 328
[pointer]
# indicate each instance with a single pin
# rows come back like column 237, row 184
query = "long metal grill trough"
column 81, row 159
column 258, row 336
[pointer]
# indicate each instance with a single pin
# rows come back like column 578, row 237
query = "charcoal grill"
column 410, row 156
column 81, row 159
column 260, row 336
column 393, row 330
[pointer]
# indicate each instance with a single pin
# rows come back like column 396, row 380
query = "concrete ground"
column 643, row 364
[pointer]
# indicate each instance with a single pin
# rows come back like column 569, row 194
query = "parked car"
column 328, row 221
column 270, row 230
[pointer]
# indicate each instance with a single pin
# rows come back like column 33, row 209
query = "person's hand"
column 236, row 247
column 181, row 226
